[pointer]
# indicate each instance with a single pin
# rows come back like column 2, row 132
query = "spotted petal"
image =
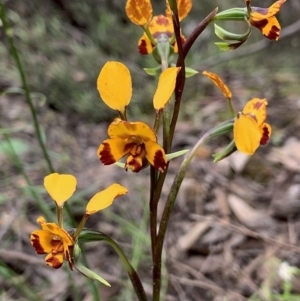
column 155, row 154
column 112, row 150
column 264, row 20
column 219, row 83
column 144, row 45
column 139, row 11
column 257, row 108
column 183, row 6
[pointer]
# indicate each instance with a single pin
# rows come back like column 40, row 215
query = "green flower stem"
column 180, row 81
column 80, row 226
column 43, row 207
column 149, row 35
column 232, row 111
column 153, row 209
column 167, row 213
column 16, row 57
column 59, row 214
column 87, row 235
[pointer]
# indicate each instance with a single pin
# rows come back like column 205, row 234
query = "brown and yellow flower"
column 249, row 129
column 135, row 139
column 53, row 241
column 264, row 19
column 157, row 27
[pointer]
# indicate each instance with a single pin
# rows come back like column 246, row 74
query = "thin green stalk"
column 169, row 208
column 180, row 81
column 153, row 209
column 88, row 235
column 43, row 207
column 14, row 53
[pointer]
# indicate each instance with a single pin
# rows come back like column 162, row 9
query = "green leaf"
column 90, row 274
column 176, row 154
column 189, row 72
column 229, row 149
column 153, row 71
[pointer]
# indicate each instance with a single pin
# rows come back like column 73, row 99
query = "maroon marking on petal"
column 265, row 136
column 257, row 105
column 35, row 241
column 69, row 258
column 274, row 33
column 159, row 161
column 143, row 47
column 162, row 20
column 259, row 24
column 105, row 155
column 134, row 164
column 54, row 262
column 129, row 146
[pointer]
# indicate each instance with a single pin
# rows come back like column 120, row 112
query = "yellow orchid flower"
column 54, row 241
column 250, row 129
column 135, row 139
column 264, row 19
column 140, row 13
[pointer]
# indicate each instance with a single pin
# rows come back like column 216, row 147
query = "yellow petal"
column 257, row 109
column 114, row 85
column 60, row 187
column 112, row 150
column 105, row 198
column 165, row 88
column 155, row 154
column 219, row 83
column 135, row 130
column 139, row 11
column 41, row 241
column 183, row 6
column 247, row 134
column 259, row 13
column 161, row 25
column 144, row 45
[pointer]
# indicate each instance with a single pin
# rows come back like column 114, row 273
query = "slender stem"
column 153, row 209
column 156, row 274
column 16, row 57
column 17, row 162
column 172, row 197
column 88, row 235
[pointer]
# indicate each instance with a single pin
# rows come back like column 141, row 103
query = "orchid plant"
column 137, row 142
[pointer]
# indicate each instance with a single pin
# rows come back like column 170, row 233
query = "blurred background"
column 63, row 45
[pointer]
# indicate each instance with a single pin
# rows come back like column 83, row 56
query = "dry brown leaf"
column 248, row 216
column 288, row 154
